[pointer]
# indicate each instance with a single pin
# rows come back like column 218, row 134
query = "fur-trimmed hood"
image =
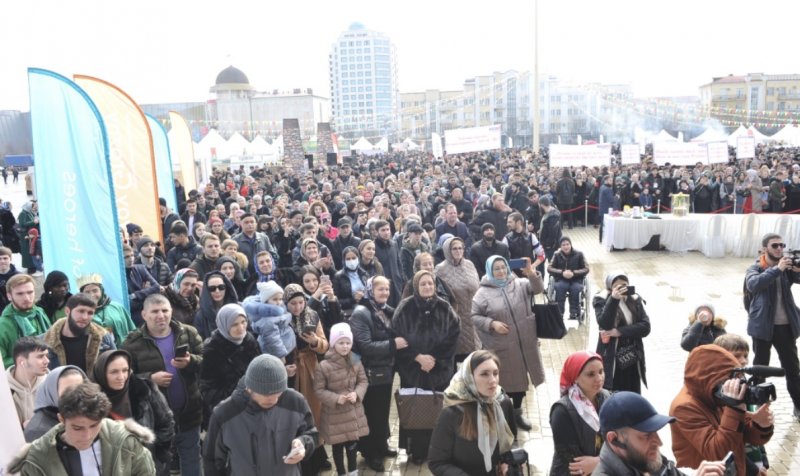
column 42, row 453
column 95, row 345
column 718, row 321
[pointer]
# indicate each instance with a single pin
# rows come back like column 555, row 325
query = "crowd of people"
column 275, row 314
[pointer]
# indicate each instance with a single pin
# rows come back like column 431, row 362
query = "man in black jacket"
column 568, row 268
column 345, row 239
column 388, row 255
column 550, row 235
column 486, row 247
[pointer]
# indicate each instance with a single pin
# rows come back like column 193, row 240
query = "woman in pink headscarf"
column 575, row 417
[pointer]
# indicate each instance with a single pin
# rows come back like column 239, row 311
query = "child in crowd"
column 757, row 462
column 704, row 326
column 272, row 323
column 35, row 250
column 340, row 383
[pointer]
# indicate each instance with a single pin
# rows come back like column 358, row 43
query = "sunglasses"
column 221, row 287
column 775, row 246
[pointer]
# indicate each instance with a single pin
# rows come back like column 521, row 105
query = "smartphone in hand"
column 182, row 350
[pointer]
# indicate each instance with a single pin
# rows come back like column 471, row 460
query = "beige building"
column 751, row 97
column 566, row 109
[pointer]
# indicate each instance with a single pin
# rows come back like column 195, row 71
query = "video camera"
column 758, row 392
column 795, row 255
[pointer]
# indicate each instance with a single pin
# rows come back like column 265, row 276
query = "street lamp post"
column 536, row 118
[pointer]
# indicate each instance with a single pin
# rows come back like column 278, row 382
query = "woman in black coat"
column 457, row 446
column 137, row 398
column 350, row 282
column 431, row 327
column 374, row 341
column 623, row 323
column 226, row 355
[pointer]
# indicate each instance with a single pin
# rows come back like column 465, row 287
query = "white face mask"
column 352, row 264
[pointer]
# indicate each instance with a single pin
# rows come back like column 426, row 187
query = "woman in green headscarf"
column 476, row 425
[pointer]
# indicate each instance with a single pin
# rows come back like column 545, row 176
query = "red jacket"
column 707, row 429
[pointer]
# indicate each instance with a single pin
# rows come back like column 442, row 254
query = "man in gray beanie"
column 243, row 437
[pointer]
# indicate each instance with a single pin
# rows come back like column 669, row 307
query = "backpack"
column 747, row 296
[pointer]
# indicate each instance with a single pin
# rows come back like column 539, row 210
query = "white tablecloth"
column 692, row 232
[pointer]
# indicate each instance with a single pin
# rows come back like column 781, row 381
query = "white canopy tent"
column 789, row 135
column 410, row 144
column 235, row 146
column 663, row 136
column 741, row 131
column 362, row 144
column 711, row 135
column 757, row 135
column 382, row 145
column 259, row 146
column 212, row 140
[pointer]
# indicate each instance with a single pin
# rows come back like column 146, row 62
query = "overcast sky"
column 171, row 51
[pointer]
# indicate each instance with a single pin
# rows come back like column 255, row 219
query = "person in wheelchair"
column 568, row 268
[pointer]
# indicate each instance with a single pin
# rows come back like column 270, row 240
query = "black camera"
column 758, row 391
column 514, row 458
column 795, row 255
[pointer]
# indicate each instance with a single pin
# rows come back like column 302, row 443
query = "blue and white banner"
column 166, row 182
column 77, row 211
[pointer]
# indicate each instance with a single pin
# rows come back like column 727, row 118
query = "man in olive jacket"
column 156, row 348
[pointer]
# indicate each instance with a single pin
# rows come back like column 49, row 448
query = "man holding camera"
column 773, row 317
column 711, row 411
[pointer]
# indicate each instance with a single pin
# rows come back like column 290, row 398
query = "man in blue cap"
column 629, row 425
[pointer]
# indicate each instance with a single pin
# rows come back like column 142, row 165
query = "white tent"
column 711, row 135
column 759, row 137
column 790, row 135
column 362, row 144
column 410, row 144
column 212, row 140
column 663, row 136
column 741, row 131
column 382, row 145
column 235, row 146
column 259, row 146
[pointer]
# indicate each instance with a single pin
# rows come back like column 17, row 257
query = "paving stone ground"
column 673, row 284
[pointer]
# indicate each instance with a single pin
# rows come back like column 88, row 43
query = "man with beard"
column 75, row 339
column 155, row 265
column 629, row 426
column 486, row 247
column 182, row 295
column 21, row 318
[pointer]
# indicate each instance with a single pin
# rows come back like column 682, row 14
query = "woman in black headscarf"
column 55, row 295
column 136, row 398
column 217, row 291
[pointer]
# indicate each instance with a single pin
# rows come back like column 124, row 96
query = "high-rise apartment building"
column 363, row 76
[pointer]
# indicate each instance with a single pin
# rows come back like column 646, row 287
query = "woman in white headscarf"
column 476, row 425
